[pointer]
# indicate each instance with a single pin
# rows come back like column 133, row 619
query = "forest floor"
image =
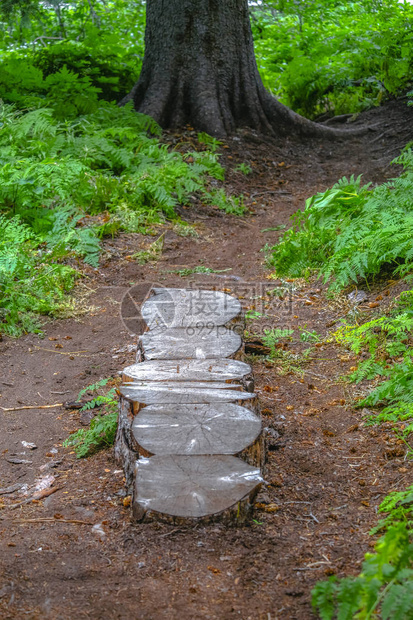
column 75, row 554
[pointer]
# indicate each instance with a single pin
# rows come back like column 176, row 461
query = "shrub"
column 30, row 282
column 319, row 57
column 351, row 232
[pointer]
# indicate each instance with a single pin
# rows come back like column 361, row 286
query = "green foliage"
column 351, row 231
column 387, row 341
column 74, row 166
column 315, row 56
column 184, row 229
column 102, row 430
column 230, row 204
column 101, row 434
column 94, row 387
column 253, row 315
column 384, row 587
column 102, row 41
column 198, row 269
column 385, row 584
column 308, row 336
column 73, row 181
column 30, row 282
column 211, row 143
column 243, row 168
column 334, row 57
column 153, row 253
column 273, row 336
column 109, row 66
column 399, row 506
column 274, row 228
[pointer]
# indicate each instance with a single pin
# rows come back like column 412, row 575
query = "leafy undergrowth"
column 66, row 184
column 30, row 282
column 348, row 234
column 102, row 430
column 318, row 57
column 351, row 231
column 384, row 588
column 75, row 167
column 101, row 41
column 329, row 58
column 385, row 344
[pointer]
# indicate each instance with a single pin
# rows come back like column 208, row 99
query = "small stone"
column 29, row 446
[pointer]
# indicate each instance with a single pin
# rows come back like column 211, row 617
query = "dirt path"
column 327, row 472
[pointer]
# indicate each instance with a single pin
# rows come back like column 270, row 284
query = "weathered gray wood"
column 126, row 449
column 180, row 413
column 194, row 487
column 188, row 370
column 169, row 308
column 183, row 393
column 196, row 429
column 192, row 343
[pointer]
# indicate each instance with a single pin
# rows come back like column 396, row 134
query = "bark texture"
column 200, row 68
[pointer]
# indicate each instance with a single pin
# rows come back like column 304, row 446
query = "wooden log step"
column 195, row 429
column 227, row 370
column 168, row 308
column 180, row 488
column 184, row 393
column 192, row 343
column 187, row 410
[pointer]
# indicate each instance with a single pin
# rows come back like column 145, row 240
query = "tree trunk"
column 200, row 68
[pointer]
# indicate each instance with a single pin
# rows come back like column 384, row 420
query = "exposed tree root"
column 200, row 69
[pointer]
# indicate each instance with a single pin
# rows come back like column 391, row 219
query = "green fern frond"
column 350, row 232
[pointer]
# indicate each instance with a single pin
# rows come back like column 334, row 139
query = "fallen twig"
column 311, row 516
column 37, row 496
column 298, row 502
column 60, row 352
column 31, row 407
column 171, row 532
column 276, row 191
column 11, row 489
column 52, row 520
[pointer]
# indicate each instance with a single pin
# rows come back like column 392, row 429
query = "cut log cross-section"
column 194, row 487
column 189, row 308
column 199, row 429
column 187, row 411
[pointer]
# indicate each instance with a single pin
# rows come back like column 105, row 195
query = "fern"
column 102, row 430
column 399, row 506
column 384, row 585
column 92, row 388
column 272, row 337
column 30, row 283
column 387, row 341
column 55, row 174
column 329, row 58
column 351, row 232
column 102, row 433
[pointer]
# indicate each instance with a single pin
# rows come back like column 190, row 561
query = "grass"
column 183, row 273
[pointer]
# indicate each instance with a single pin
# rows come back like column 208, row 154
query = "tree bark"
column 200, row 69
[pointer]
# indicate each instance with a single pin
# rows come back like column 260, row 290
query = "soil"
column 75, row 553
